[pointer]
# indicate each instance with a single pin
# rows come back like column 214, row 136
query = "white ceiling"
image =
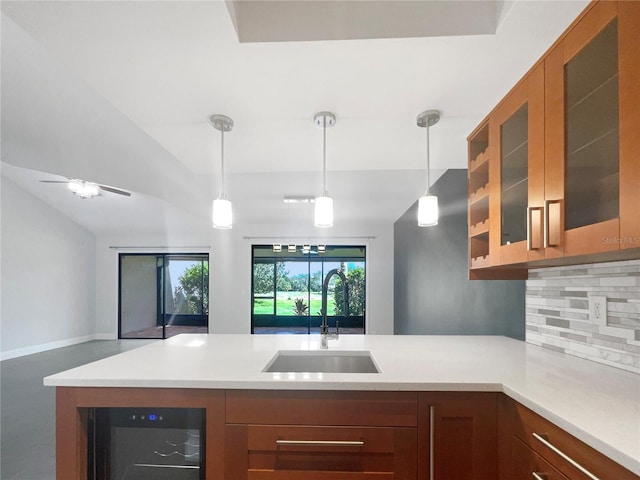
column 277, row 21
column 120, row 93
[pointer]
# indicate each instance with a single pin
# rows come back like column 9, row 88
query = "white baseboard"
column 20, row 352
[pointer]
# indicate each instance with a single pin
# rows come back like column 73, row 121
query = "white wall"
column 230, row 267
column 48, row 276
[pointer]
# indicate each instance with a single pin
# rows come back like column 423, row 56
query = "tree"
column 356, row 283
column 315, row 285
column 263, row 278
column 282, row 278
column 300, row 282
column 191, row 296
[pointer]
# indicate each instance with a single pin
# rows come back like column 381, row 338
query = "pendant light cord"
column 324, row 156
column 428, row 165
column 222, row 194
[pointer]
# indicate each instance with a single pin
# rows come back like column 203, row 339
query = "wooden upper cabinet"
column 563, row 181
column 516, row 145
column 629, row 111
column 591, row 134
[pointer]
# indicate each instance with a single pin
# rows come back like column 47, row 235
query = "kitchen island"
column 598, row 405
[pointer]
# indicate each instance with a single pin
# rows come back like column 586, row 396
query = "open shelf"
column 481, row 160
column 479, row 198
column 480, row 262
column 479, row 211
column 479, row 228
column 479, row 195
column 478, row 144
column 479, row 250
column 479, row 178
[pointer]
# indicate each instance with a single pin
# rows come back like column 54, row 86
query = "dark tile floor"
column 27, row 407
column 170, row 331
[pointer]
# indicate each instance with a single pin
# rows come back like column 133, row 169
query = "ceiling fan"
column 85, row 189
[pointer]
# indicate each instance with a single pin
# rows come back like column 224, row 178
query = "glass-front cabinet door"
column 517, row 198
column 592, row 126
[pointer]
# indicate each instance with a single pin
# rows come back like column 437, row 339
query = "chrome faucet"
column 325, row 336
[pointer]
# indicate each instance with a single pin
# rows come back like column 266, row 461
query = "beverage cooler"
column 146, row 444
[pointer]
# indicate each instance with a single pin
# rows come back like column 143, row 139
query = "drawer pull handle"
column 322, row 443
column 539, row 476
column 530, row 233
column 432, row 431
column 566, row 457
column 547, row 224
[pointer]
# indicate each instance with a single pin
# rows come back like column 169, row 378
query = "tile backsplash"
column 558, row 314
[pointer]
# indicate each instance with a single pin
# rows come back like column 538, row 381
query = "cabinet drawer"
column 575, row 459
column 259, row 452
column 528, row 465
column 286, row 407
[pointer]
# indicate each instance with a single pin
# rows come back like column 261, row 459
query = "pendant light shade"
column 428, row 211
column 428, row 204
column 323, row 211
column 222, row 214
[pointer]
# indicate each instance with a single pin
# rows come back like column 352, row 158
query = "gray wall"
column 432, row 293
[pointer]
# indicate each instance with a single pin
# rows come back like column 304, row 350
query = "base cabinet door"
column 457, row 437
column 284, row 452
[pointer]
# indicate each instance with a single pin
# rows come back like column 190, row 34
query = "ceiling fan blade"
column 107, row 188
column 54, row 181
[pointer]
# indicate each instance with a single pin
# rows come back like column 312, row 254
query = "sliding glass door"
column 162, row 295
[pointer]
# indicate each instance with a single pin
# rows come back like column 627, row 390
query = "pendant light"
column 428, row 204
column 323, row 212
column 222, row 216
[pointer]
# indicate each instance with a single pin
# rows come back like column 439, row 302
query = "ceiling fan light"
column 83, row 189
column 428, row 211
column 75, row 185
column 222, row 214
column 323, row 212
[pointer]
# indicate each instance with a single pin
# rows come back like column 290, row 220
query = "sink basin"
column 322, row 361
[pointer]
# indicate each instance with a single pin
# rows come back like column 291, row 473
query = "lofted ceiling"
column 120, row 93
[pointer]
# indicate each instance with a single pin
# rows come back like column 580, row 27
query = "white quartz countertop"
column 600, row 405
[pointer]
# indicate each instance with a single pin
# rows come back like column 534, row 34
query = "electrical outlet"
column 598, row 310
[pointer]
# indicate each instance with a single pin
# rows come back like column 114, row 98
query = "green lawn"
column 286, row 304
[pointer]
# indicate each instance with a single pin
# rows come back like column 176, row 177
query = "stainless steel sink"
column 319, row 361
